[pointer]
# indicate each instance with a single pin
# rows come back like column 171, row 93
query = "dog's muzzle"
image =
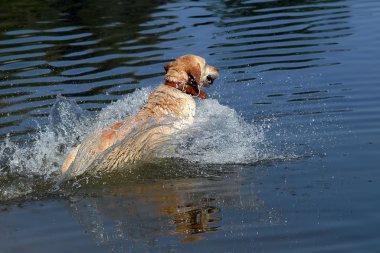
column 210, row 80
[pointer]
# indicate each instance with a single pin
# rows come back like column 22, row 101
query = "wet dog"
column 169, row 109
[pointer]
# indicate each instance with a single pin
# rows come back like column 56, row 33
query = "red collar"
column 191, row 90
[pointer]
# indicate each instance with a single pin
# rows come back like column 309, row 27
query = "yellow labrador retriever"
column 169, row 109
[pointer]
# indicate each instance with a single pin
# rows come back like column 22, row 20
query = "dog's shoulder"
column 167, row 100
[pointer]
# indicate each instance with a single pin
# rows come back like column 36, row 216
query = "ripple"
column 39, row 39
column 21, row 32
column 25, row 48
column 63, row 29
column 21, row 65
column 14, row 57
column 34, row 72
column 95, row 59
column 79, row 53
column 78, row 71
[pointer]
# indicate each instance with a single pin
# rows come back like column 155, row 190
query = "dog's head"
column 192, row 70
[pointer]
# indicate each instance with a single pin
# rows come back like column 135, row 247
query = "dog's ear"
column 184, row 69
column 168, row 66
column 175, row 72
column 194, row 72
column 192, row 66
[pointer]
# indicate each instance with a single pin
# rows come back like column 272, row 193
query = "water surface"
column 282, row 157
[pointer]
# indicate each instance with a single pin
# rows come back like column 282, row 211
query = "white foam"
column 219, row 135
column 45, row 151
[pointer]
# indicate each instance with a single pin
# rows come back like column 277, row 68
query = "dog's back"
column 166, row 112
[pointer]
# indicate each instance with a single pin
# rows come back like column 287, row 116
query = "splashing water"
column 218, row 136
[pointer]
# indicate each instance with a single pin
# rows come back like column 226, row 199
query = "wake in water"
column 218, row 136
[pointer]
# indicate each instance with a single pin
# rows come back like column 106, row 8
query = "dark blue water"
column 287, row 156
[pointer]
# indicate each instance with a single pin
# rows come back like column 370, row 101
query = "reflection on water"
column 140, row 215
column 96, row 52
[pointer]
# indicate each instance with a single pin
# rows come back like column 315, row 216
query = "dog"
column 170, row 108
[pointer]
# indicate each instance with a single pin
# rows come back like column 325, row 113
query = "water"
column 283, row 157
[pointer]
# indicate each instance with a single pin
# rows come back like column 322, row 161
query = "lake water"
column 283, row 157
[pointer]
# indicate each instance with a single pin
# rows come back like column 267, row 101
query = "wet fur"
column 110, row 149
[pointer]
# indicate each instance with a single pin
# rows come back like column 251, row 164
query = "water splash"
column 219, row 136
column 41, row 154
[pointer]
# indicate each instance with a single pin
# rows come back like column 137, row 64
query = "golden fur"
column 110, row 149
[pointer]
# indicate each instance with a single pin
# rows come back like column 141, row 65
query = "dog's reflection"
column 148, row 213
column 192, row 219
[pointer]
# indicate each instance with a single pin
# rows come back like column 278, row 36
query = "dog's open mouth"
column 210, row 80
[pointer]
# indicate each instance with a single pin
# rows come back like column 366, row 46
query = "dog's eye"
column 210, row 80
